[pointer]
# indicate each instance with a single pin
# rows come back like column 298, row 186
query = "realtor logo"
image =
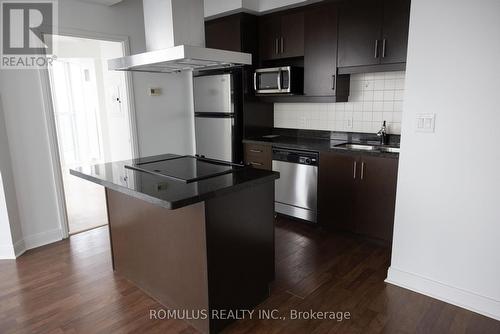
column 27, row 30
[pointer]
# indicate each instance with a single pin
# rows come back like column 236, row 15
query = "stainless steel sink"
column 389, row 149
column 367, row 147
column 358, row 147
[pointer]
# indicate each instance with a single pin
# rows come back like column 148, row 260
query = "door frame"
column 49, row 112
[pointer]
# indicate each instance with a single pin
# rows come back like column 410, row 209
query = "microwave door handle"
column 279, row 80
column 255, row 81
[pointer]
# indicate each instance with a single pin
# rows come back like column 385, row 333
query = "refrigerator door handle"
column 213, row 115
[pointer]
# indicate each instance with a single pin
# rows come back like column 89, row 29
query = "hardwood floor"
column 69, row 287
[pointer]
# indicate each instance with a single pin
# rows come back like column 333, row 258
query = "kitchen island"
column 196, row 235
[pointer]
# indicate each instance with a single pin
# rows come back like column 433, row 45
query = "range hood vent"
column 175, row 41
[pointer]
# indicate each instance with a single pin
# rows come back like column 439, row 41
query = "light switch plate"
column 426, row 122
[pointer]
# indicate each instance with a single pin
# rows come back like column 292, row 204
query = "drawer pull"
column 255, row 151
column 256, row 164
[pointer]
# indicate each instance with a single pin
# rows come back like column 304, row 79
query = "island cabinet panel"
column 240, row 246
column 161, row 251
column 357, row 193
column 259, row 156
column 212, row 256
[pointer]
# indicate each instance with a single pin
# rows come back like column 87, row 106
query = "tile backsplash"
column 374, row 97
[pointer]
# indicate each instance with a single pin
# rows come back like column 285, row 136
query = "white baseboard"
column 468, row 300
column 19, row 248
column 29, row 242
column 43, row 238
column 7, row 252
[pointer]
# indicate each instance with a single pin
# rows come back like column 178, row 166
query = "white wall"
column 374, row 98
column 447, row 226
column 26, row 127
column 10, row 227
column 6, row 245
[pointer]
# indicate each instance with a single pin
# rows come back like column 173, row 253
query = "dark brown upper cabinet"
column 281, row 35
column 320, row 50
column 238, row 32
column 373, row 35
column 320, row 53
column 395, row 31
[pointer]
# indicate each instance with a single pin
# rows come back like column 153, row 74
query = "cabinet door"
column 292, row 35
column 320, row 58
column 395, row 31
column 224, row 33
column 376, row 197
column 360, row 33
column 269, row 37
column 336, row 190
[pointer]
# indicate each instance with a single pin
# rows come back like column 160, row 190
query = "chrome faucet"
column 382, row 133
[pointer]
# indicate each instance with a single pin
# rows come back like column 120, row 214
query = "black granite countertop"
column 321, row 141
column 167, row 192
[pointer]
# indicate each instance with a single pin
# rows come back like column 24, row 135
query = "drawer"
column 259, row 156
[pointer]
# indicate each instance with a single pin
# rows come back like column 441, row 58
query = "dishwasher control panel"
column 296, row 156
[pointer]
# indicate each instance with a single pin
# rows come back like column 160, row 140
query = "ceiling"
column 103, row 2
column 214, row 8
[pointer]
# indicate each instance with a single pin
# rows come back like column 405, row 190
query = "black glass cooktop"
column 185, row 168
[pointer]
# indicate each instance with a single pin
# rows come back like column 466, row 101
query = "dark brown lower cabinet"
column 376, row 197
column 258, row 156
column 357, row 193
column 336, row 190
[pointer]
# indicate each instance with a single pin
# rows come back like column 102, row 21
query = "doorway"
column 92, row 122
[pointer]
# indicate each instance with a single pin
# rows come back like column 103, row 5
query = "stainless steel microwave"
column 279, row 80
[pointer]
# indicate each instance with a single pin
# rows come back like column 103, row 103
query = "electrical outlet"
column 154, row 91
column 348, row 123
column 302, row 122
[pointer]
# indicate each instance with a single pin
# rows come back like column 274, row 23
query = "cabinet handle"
column 333, row 82
column 276, row 46
column 282, row 45
column 383, row 47
column 376, row 49
column 362, row 170
column 255, row 151
column 256, row 164
column 355, row 165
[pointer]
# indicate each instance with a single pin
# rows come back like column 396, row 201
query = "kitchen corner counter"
column 165, row 192
column 318, row 144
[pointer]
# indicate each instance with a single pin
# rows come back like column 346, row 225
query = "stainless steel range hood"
column 175, row 41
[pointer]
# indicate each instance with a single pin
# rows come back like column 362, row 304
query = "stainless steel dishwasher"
column 296, row 191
